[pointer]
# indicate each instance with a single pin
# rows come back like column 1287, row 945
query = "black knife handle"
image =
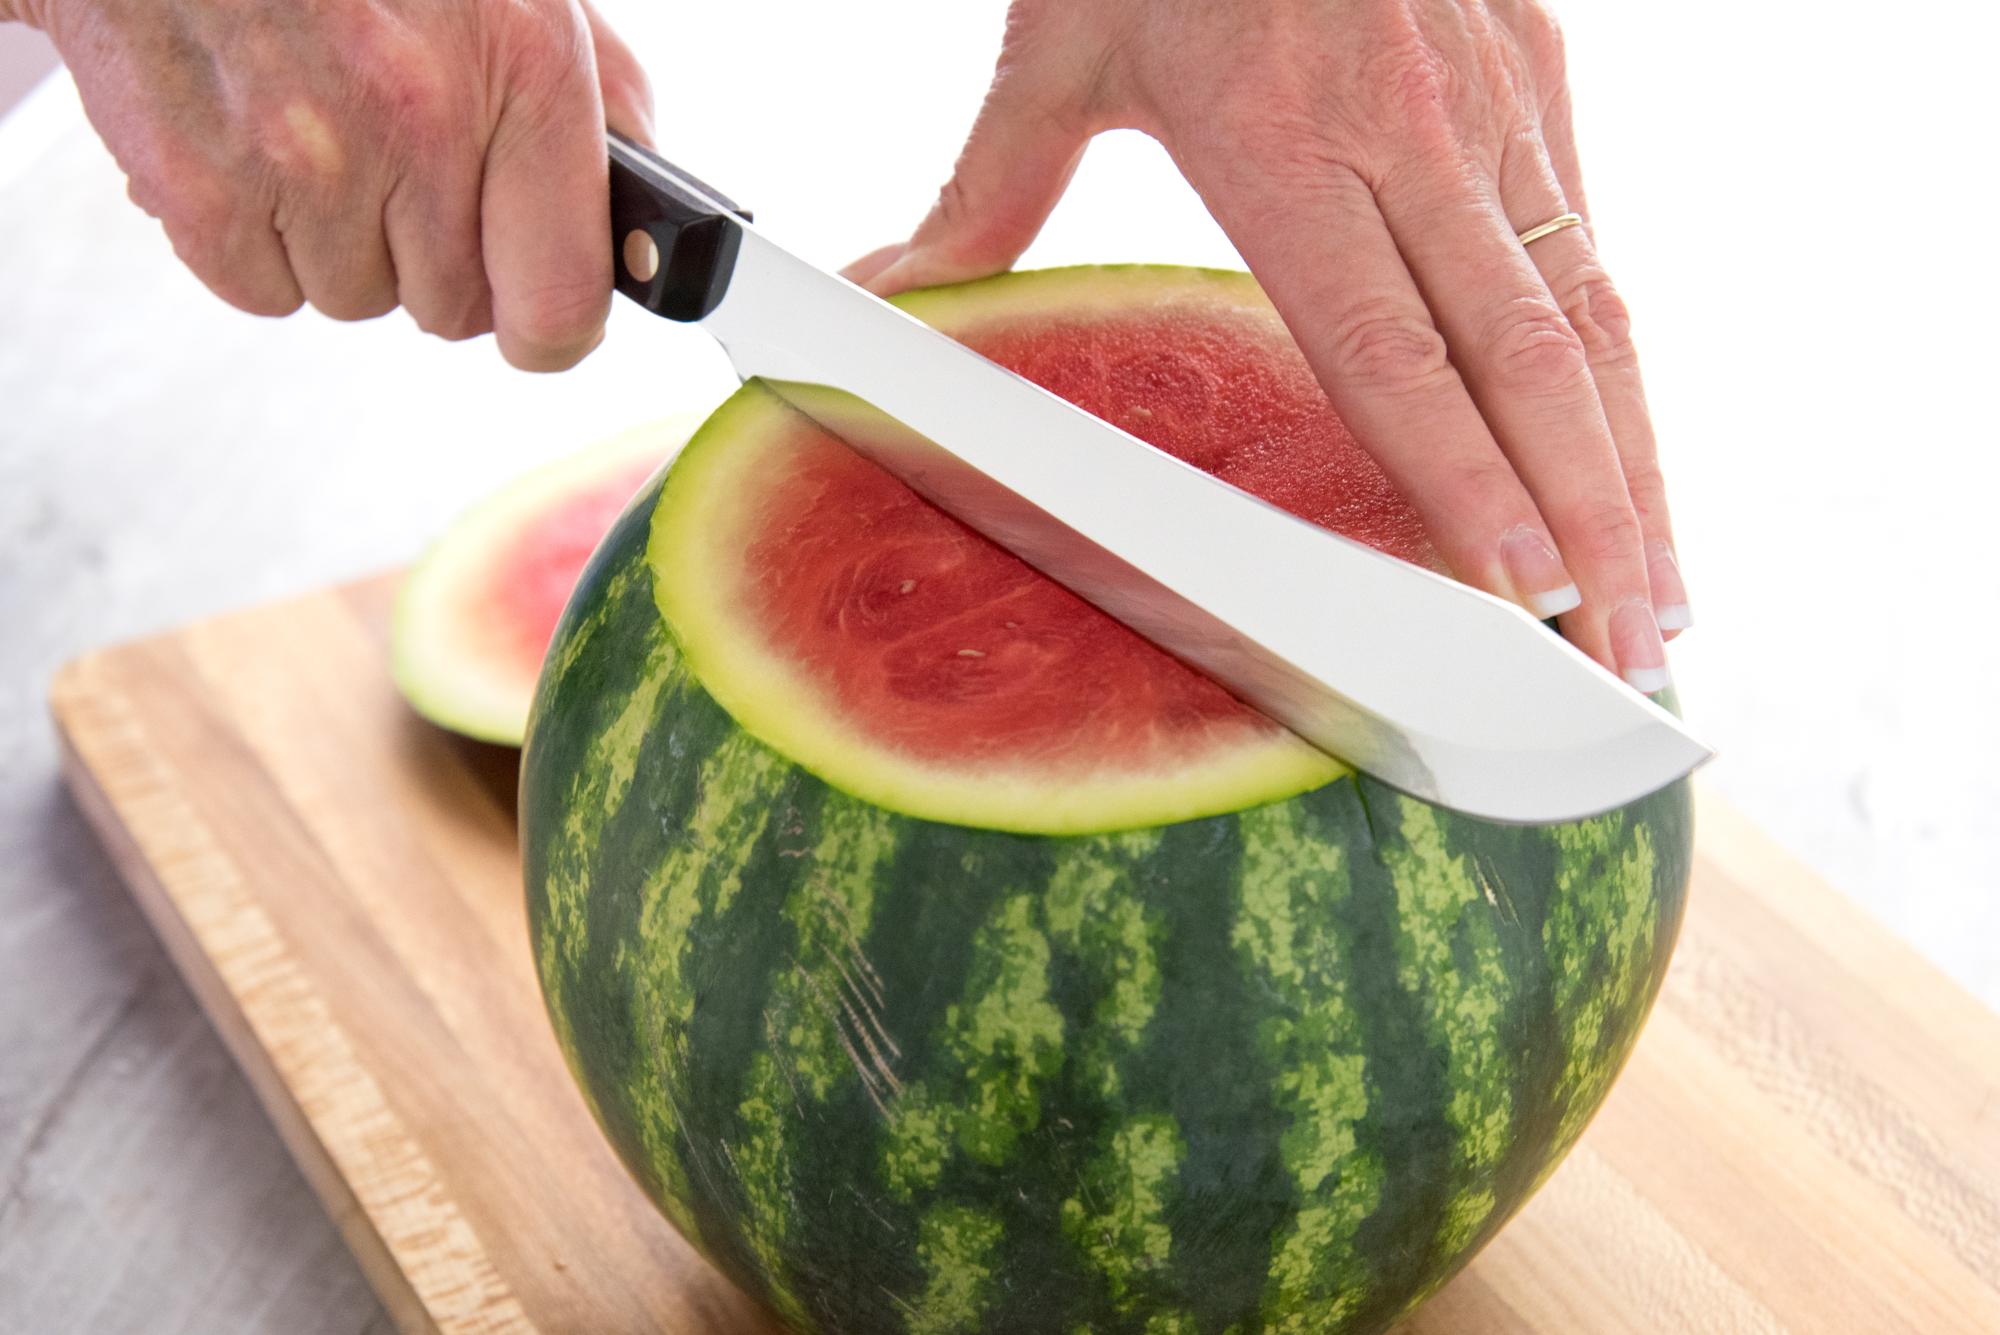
column 692, row 228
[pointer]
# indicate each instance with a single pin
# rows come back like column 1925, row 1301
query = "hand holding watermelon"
column 1377, row 163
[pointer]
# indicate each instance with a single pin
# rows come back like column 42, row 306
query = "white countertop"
column 1800, row 219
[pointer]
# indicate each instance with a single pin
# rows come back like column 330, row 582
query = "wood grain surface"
column 1807, row 1139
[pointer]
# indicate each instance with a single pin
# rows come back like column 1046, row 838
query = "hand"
column 1374, row 162
column 360, row 154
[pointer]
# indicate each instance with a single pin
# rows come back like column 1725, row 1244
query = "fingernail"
column 1636, row 644
column 1541, row 583
column 1670, row 596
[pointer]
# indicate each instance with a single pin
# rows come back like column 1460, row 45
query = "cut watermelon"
column 907, row 660
column 475, row 616
column 942, row 958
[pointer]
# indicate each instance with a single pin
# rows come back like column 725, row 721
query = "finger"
column 340, row 255
column 226, row 242
column 1559, row 141
column 1018, row 160
column 874, row 262
column 1539, row 38
column 545, row 212
column 1569, row 264
column 181, row 168
column 432, row 223
column 621, row 81
column 329, row 216
column 1530, row 376
column 1321, row 249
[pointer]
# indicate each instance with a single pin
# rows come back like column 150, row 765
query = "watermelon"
column 475, row 616
column 940, row 956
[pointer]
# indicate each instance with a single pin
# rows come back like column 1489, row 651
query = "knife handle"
column 673, row 239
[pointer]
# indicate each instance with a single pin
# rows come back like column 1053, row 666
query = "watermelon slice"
column 905, row 659
column 475, row 616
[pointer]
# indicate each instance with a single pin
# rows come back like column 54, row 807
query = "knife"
column 1431, row 686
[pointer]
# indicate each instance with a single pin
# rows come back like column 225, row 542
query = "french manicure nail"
column 1670, row 598
column 1636, row 644
column 1541, row 582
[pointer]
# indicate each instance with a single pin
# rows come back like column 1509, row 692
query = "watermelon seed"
column 971, row 653
column 906, row 586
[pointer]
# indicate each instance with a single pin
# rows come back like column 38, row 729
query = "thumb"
column 1024, row 147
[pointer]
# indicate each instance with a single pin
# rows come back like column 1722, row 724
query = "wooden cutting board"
column 1808, row 1138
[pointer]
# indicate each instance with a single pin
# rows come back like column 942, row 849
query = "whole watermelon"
column 942, row 957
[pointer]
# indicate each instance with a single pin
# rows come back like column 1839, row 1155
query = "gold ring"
column 1551, row 227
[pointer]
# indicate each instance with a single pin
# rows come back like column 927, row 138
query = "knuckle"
column 1551, row 48
column 198, row 214
column 549, row 49
column 400, row 77
column 255, row 290
column 456, row 323
column 270, row 298
column 198, row 242
column 1536, row 28
column 1383, row 344
column 216, row 232
column 626, row 86
column 274, row 304
column 954, row 206
column 140, row 189
column 1598, row 314
column 1277, row 131
column 425, row 109
column 1606, row 534
column 1473, row 480
column 202, row 241
column 1647, row 486
column 360, row 303
column 1533, row 350
column 1414, row 85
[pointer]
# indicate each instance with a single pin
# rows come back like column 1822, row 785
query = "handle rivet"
column 642, row 256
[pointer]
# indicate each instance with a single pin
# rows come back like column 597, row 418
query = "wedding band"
column 1552, row 226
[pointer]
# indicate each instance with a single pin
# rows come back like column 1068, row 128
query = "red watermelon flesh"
column 940, row 645
column 475, row 617
column 525, row 589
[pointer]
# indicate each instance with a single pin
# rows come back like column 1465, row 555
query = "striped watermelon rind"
column 1280, row 1068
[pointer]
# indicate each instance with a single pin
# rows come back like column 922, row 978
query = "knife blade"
column 1433, row 687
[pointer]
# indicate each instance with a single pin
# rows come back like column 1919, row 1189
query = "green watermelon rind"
column 1279, row 1069
column 1312, row 1054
